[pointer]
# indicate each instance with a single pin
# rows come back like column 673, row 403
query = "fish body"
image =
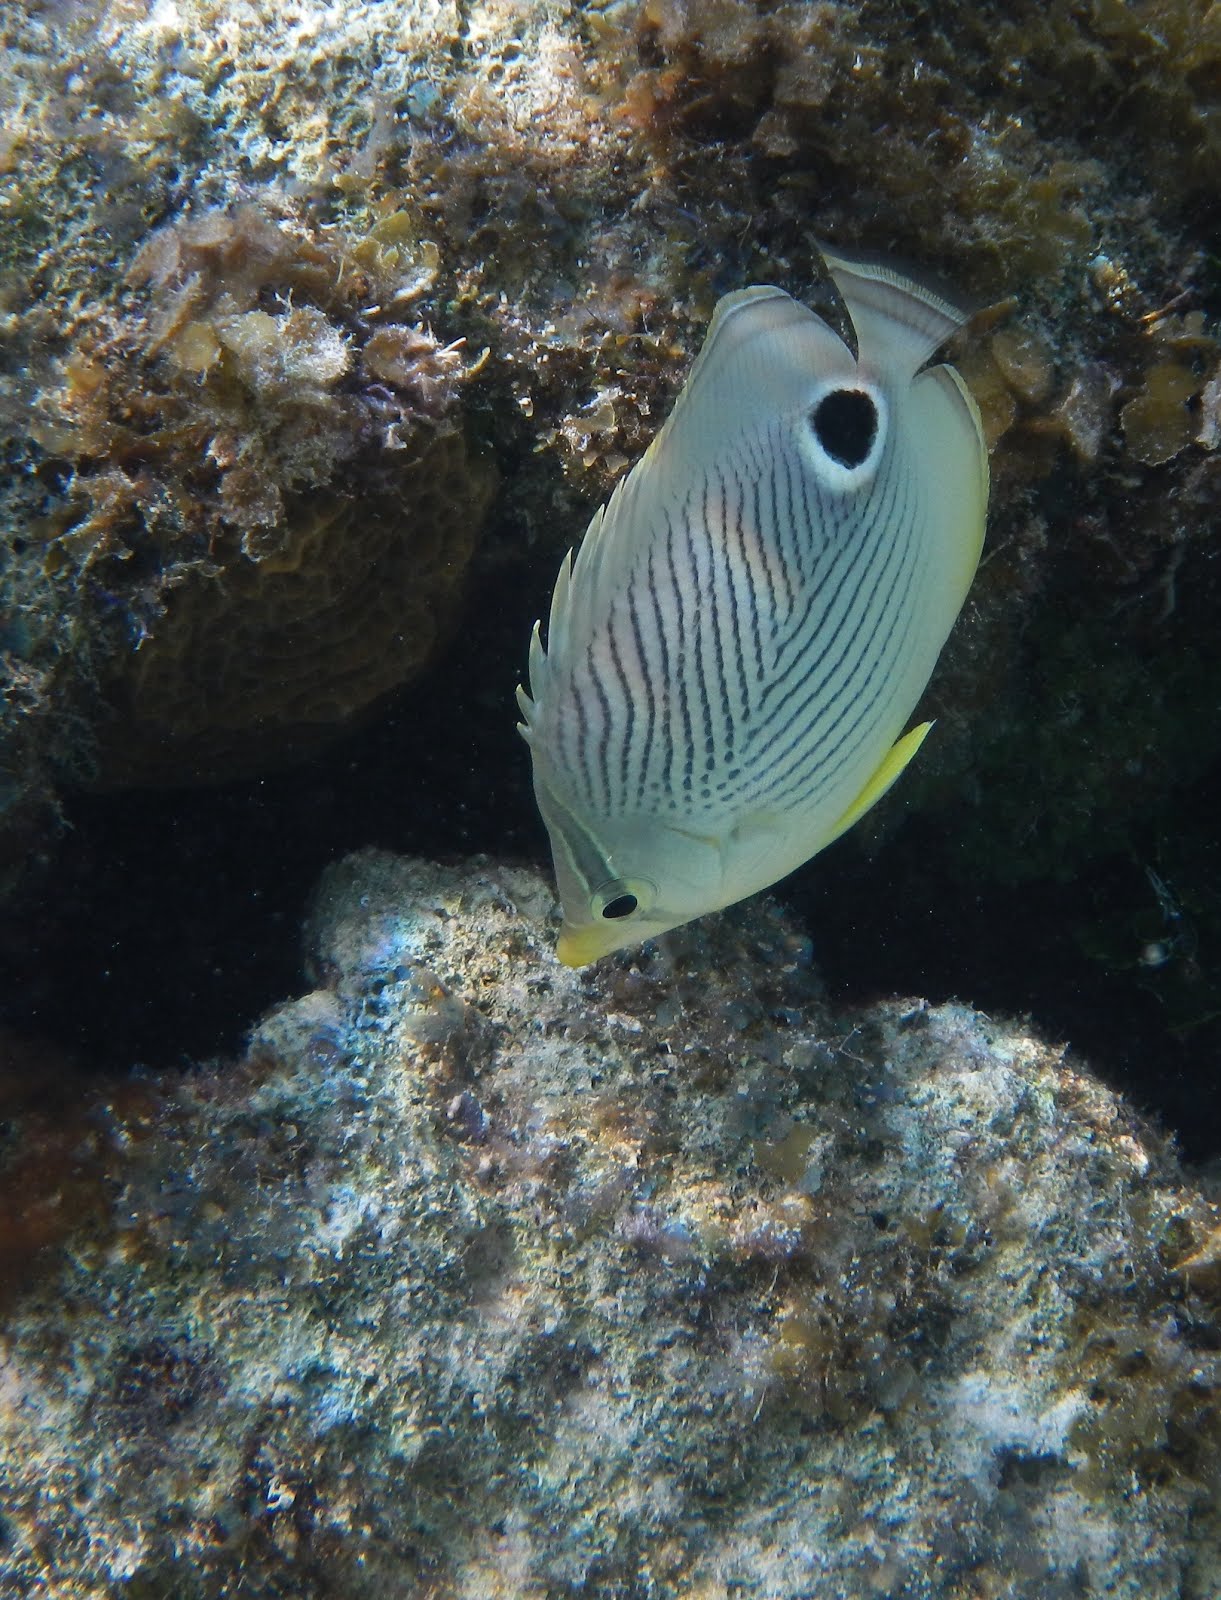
column 734, row 651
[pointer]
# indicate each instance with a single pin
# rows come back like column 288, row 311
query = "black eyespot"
column 621, row 906
column 845, row 423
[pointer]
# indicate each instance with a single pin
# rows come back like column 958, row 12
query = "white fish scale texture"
column 845, row 682
column 825, row 692
column 758, row 649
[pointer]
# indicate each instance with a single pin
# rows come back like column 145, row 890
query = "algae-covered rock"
column 271, row 487
column 243, row 242
column 477, row 1277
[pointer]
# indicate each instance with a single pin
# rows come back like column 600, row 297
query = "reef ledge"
column 474, row 1276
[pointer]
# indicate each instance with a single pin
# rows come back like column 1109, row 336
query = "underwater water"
column 240, row 862
column 861, row 1239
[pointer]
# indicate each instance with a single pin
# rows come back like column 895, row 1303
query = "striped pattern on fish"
column 753, row 615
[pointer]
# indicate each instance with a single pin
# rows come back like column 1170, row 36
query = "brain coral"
column 270, row 497
column 254, row 661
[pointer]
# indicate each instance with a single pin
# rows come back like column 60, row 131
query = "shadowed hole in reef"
column 174, row 918
column 903, row 923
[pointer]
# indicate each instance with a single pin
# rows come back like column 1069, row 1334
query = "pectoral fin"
column 893, row 763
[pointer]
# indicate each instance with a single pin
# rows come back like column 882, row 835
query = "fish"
column 735, row 650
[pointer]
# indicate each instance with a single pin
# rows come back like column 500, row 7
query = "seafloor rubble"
column 477, row 1277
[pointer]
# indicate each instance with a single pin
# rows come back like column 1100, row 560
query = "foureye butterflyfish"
column 736, row 648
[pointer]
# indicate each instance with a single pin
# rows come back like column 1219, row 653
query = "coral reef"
column 477, row 1277
column 242, row 242
column 266, row 484
column 573, row 188
column 472, row 1276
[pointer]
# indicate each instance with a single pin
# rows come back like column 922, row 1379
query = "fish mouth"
column 580, row 943
column 577, row 947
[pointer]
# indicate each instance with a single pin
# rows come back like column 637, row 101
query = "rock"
column 479, row 1277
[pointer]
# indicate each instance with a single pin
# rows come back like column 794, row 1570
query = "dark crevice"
column 173, row 919
column 905, row 922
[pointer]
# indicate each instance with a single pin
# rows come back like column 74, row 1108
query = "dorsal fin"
column 892, row 312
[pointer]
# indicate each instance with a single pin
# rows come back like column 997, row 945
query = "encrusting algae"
column 476, row 1275
column 574, row 190
column 472, row 1275
column 284, row 471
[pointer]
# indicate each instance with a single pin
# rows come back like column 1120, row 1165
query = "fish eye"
column 622, row 898
column 845, row 423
